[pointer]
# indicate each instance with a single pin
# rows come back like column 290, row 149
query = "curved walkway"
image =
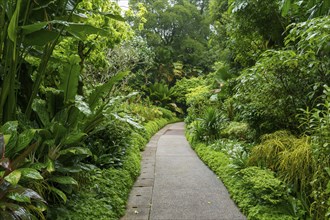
column 175, row 184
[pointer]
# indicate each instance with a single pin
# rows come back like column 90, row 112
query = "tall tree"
column 178, row 32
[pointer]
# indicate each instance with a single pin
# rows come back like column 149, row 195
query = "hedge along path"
column 175, row 184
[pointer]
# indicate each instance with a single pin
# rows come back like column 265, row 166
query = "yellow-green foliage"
column 289, row 156
column 236, row 130
column 198, row 95
column 257, row 192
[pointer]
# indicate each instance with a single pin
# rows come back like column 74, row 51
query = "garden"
column 85, row 84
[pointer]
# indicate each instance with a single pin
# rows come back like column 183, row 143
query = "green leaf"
column 50, row 165
column 66, row 180
column 39, row 106
column 31, row 173
column 13, row 177
column 73, row 138
column 13, row 24
column 59, row 193
column 28, row 29
column 40, row 38
column 286, row 7
column 69, row 77
column 9, row 127
column 82, row 106
column 82, row 31
column 99, row 91
column 77, row 151
column 110, row 15
column 24, row 139
column 19, row 197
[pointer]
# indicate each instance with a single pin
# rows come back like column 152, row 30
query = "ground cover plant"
column 84, row 85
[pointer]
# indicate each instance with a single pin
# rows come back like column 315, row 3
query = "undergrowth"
column 256, row 191
column 104, row 194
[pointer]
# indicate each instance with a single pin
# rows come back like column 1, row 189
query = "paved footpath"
column 176, row 185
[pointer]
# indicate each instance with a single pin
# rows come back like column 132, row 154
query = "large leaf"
column 286, row 7
column 66, row 180
column 30, row 173
column 13, row 24
column 74, row 138
column 24, row 139
column 82, row 31
column 76, row 150
column 59, row 193
column 107, row 14
column 13, row 177
column 39, row 106
column 82, row 106
column 40, row 38
column 21, row 213
column 69, row 78
column 21, row 194
column 19, row 197
column 99, row 91
column 9, row 127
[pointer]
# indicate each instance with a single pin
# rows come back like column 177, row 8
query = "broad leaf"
column 24, row 139
column 76, row 150
column 13, row 24
column 66, row 180
column 111, row 15
column 82, row 106
column 99, row 91
column 13, row 177
column 39, row 106
column 73, row 138
column 9, row 127
column 82, row 31
column 31, row 173
column 286, row 7
column 40, row 38
column 128, row 120
column 19, row 197
column 69, row 79
column 28, row 29
column 59, row 193
column 21, row 213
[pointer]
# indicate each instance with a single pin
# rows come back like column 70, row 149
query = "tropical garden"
column 85, row 84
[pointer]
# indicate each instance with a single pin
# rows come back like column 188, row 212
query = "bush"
column 257, row 192
column 109, row 144
column 238, row 130
column 104, row 192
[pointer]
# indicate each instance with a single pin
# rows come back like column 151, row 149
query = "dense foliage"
column 82, row 89
column 266, row 111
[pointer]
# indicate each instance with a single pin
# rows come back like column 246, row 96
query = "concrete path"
column 176, row 185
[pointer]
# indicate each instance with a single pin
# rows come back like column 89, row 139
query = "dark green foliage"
column 104, row 192
column 109, row 144
column 208, row 127
column 177, row 31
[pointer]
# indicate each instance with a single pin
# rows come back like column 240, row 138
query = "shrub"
column 109, row 144
column 237, row 130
